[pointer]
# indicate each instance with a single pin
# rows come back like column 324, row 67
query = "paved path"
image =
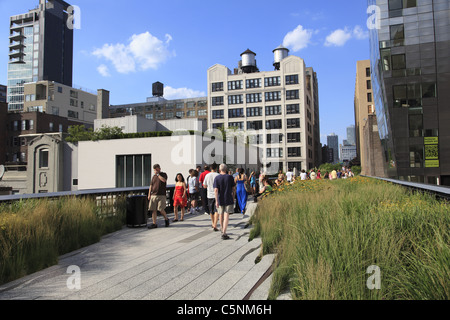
column 187, row 261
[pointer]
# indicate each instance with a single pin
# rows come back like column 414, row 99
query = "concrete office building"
column 278, row 109
column 158, row 108
column 61, row 100
column 368, row 142
column 40, row 48
column 333, row 144
column 410, row 59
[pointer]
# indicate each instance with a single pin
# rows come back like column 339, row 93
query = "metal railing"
column 441, row 192
column 106, row 199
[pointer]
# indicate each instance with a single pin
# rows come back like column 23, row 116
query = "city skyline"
column 169, row 42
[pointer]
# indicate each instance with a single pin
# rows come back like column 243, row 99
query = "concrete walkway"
column 187, row 261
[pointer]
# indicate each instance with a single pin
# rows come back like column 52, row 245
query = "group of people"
column 219, row 193
column 316, row 174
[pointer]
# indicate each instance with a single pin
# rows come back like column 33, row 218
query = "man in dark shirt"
column 157, row 196
column 225, row 189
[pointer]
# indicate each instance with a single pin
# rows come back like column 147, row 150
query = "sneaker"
column 225, row 237
column 167, row 223
column 153, row 226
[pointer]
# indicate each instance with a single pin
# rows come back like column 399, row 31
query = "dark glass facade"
column 410, row 58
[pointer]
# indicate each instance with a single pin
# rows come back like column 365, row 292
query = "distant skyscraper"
column 333, row 143
column 40, row 48
column 351, row 140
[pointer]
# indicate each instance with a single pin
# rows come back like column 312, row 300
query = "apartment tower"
column 40, row 48
column 278, row 110
column 410, row 61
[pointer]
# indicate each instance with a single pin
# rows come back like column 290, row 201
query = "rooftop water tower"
column 249, row 62
column 279, row 54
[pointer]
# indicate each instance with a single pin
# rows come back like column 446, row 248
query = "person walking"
column 180, row 197
column 193, row 187
column 224, row 189
column 237, row 209
column 157, row 196
column 241, row 191
column 203, row 191
column 253, row 182
column 208, row 184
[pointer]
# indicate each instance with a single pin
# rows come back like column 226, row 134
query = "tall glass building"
column 40, row 48
column 410, row 60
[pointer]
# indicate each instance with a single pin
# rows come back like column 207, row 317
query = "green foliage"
column 329, row 167
column 34, row 233
column 327, row 233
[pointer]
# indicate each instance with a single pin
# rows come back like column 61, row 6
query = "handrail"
column 438, row 191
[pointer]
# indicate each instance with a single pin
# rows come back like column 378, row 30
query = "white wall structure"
column 102, row 164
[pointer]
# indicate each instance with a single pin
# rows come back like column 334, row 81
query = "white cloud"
column 103, row 70
column 339, row 37
column 144, row 51
column 181, row 93
column 298, row 39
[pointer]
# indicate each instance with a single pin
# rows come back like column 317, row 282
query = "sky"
column 125, row 46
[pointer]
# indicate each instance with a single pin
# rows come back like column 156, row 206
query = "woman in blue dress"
column 241, row 191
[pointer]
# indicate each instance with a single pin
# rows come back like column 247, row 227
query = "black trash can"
column 137, row 207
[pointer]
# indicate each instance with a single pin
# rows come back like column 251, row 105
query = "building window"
column 216, row 101
column 294, row 152
column 236, row 125
column 236, row 113
column 292, row 109
column 416, row 156
column 191, row 114
column 274, row 138
column 133, row 171
column 254, row 112
column 235, row 85
column 407, row 96
column 368, row 72
column 273, row 96
column 398, row 62
column 43, row 158
column 72, row 114
column 274, row 152
column 429, row 90
column 254, row 97
column 415, row 125
column 149, row 116
column 293, row 79
column 60, row 89
column 369, row 97
column 274, row 124
column 218, row 86
column 293, row 137
column 273, row 110
column 217, row 114
column 238, row 99
column 292, row 94
column 272, row 81
column 217, row 126
column 296, row 165
column 180, row 114
column 398, row 34
column 202, row 113
column 51, row 126
column 369, row 85
column 293, row 123
column 254, row 125
column 253, row 83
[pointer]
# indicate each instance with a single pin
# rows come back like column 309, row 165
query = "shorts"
column 193, row 196
column 212, row 206
column 157, row 203
column 226, row 209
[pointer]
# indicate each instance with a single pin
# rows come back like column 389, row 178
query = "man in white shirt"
column 208, row 183
column 289, row 175
column 303, row 175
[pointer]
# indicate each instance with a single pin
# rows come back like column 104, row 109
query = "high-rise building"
column 278, row 110
column 410, row 59
column 351, row 136
column 40, row 48
column 368, row 142
column 333, row 144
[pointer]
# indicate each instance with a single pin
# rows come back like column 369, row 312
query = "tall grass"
column 326, row 234
column 34, row 233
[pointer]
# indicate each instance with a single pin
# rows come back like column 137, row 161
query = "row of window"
column 256, row 111
column 256, row 97
column 178, row 114
column 255, row 83
column 278, row 152
column 258, row 125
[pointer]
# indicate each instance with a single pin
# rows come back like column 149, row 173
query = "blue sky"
column 125, row 46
